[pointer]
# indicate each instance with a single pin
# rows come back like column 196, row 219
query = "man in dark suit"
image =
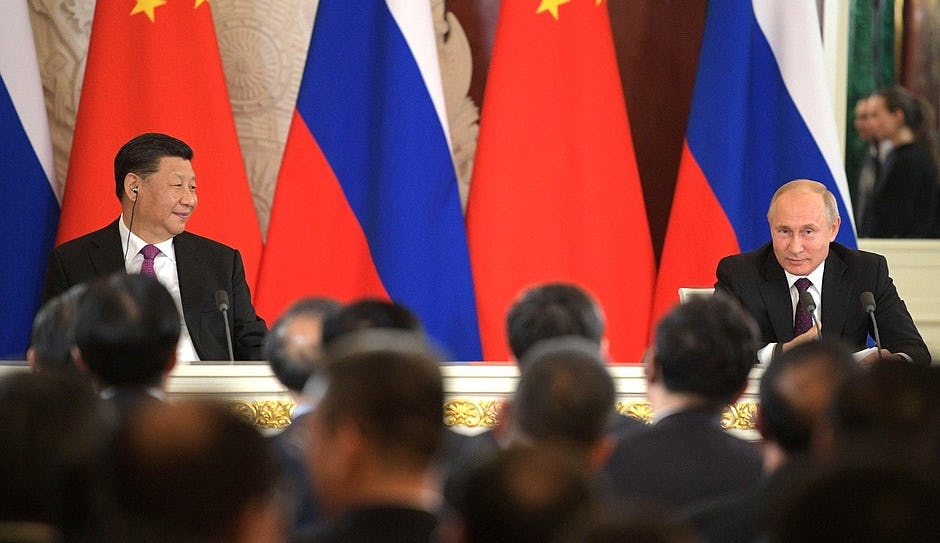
column 156, row 185
column 698, row 364
column 804, row 220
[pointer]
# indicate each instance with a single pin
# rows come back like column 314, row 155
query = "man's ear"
column 131, row 182
column 31, row 358
column 650, row 367
column 78, row 360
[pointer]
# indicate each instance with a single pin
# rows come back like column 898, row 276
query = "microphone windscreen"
column 868, row 301
column 221, row 300
column 806, row 300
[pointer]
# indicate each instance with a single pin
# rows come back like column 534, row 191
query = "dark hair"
column 565, row 394
column 552, row 310
column 389, row 383
column 142, row 155
column 368, row 314
column 190, row 469
column 53, row 332
column 54, row 429
column 918, row 116
column 126, row 328
column 293, row 359
column 790, row 419
column 707, row 347
column 520, row 495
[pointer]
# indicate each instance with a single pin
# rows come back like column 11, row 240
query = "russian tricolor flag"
column 29, row 209
column 367, row 201
column 761, row 115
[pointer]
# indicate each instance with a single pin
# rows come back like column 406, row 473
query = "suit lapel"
column 188, row 264
column 776, row 294
column 105, row 254
column 835, row 294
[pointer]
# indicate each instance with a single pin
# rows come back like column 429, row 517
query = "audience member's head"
column 863, row 119
column 891, row 412
column 126, row 331
column 704, row 350
column 862, row 503
column 520, row 495
column 376, row 425
column 797, row 391
column 368, row 314
column 626, row 522
column 553, row 310
column 54, row 428
column 564, row 398
column 292, row 347
column 53, row 334
column 197, row 471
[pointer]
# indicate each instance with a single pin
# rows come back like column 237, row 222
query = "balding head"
column 807, row 186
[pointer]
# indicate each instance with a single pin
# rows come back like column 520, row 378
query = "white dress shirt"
column 164, row 265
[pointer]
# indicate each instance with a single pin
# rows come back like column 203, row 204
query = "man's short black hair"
column 126, row 330
column 368, row 314
column 790, row 421
column 553, row 310
column 142, row 155
column 389, row 383
column 707, row 347
column 565, row 394
column 53, row 332
column 293, row 360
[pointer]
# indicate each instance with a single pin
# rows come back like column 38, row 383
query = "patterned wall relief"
column 263, row 47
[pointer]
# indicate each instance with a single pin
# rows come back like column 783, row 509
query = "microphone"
column 221, row 302
column 806, row 300
column 868, row 304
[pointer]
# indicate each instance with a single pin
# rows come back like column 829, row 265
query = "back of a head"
column 126, row 329
column 627, row 522
column 520, row 495
column 797, row 391
column 553, row 310
column 53, row 332
column 861, row 503
column 53, row 427
column 890, row 411
column 565, row 394
column 190, row 468
column 368, row 314
column 389, row 383
column 707, row 348
column 292, row 347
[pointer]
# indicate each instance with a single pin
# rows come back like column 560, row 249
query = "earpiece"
column 134, row 190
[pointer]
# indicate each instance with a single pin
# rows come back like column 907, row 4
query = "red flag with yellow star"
column 154, row 66
column 555, row 194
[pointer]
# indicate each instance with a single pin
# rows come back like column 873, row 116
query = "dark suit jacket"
column 386, row 523
column 684, row 459
column 204, row 267
column 757, row 280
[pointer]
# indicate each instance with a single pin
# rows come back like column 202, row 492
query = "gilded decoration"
column 638, row 410
column 469, row 414
column 740, row 416
column 266, row 414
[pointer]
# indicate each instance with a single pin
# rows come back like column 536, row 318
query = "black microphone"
column 806, row 300
column 868, row 304
column 221, row 302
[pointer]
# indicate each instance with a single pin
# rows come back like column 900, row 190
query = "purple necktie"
column 802, row 321
column 150, row 252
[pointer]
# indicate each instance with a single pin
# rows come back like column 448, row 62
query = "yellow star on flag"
column 551, row 6
column 199, row 3
column 148, row 7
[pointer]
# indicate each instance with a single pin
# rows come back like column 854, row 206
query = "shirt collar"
column 132, row 244
column 815, row 277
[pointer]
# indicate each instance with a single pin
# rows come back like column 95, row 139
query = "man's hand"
column 886, row 355
column 809, row 335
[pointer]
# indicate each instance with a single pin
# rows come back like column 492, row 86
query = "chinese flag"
column 154, row 66
column 555, row 194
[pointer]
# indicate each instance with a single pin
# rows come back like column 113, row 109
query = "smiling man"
column 156, row 185
column 803, row 255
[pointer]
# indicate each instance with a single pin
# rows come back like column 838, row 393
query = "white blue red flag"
column 367, row 201
column 761, row 115
column 29, row 209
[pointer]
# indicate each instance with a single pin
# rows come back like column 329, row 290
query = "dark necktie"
column 802, row 321
column 150, row 252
